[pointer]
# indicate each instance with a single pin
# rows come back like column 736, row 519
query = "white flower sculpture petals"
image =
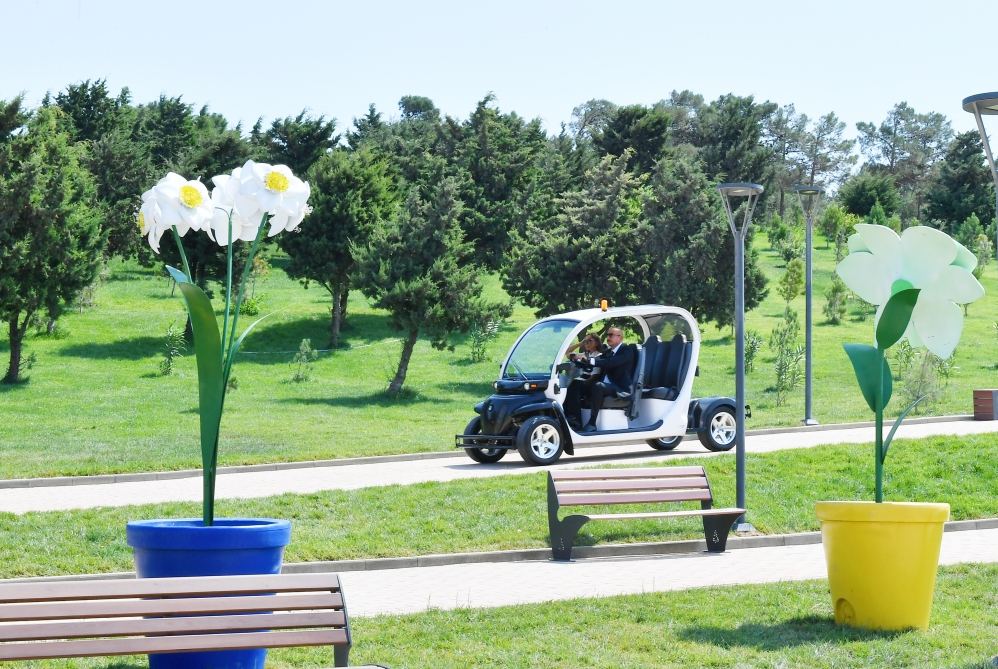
column 253, row 190
column 882, row 263
column 174, row 201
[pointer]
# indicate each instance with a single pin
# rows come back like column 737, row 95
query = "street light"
column 978, row 105
column 728, row 192
column 808, row 195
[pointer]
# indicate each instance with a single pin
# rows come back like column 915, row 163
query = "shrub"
column 792, row 282
column 753, row 342
column 173, row 348
column 789, row 354
column 252, row 305
column 835, row 301
column 482, row 334
column 302, row 362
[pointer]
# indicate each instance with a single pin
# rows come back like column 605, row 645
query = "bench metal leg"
column 341, row 656
column 716, row 530
column 563, row 533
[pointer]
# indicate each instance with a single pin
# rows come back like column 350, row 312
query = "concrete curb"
column 100, row 479
column 540, row 554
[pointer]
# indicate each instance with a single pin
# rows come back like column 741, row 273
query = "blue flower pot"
column 186, row 547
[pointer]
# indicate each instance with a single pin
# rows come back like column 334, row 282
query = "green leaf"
column 867, row 362
column 211, row 390
column 177, row 275
column 895, row 317
column 897, row 424
column 239, row 342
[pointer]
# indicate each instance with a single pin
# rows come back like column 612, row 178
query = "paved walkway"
column 482, row 585
column 404, row 472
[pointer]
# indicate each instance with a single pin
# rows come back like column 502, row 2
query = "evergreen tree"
column 50, row 239
column 351, row 196
column 165, row 128
column 644, row 130
column 963, row 186
column 416, row 266
column 689, row 259
column 729, row 135
column 860, row 193
column 297, row 142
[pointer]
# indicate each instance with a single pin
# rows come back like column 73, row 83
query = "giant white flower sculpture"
column 883, row 263
column 237, row 208
column 917, row 280
column 174, row 203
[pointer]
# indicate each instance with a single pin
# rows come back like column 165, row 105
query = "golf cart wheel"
column 719, row 429
column 539, row 441
column 482, row 455
column 666, row 443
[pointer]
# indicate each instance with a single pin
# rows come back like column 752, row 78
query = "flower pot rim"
column 894, row 512
column 192, row 534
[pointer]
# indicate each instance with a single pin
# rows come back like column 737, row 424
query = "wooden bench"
column 92, row 618
column 594, row 487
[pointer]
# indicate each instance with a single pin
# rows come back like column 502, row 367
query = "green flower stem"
column 183, row 256
column 228, row 289
column 247, row 269
column 879, row 430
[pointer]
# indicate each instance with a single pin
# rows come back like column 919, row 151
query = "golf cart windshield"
column 537, row 351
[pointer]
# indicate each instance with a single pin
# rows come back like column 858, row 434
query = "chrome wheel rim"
column 723, row 428
column 544, row 441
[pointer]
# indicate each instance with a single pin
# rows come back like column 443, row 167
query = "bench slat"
column 643, row 472
column 143, row 587
column 632, row 484
column 145, row 607
column 633, row 498
column 668, row 514
column 181, row 625
column 138, row 646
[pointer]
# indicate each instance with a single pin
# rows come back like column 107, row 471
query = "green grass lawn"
column 509, row 511
column 95, row 404
column 774, row 626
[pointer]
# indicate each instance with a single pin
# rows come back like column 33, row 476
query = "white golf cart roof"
column 638, row 311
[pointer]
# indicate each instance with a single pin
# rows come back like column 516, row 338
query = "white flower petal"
column 964, row 258
column 956, row 285
column 880, row 239
column 925, row 251
column 855, row 243
column 938, row 324
column 866, row 276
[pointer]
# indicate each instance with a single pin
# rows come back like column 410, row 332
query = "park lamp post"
column 986, row 104
column 807, row 195
column 730, row 191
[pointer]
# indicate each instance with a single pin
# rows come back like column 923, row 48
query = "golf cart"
column 526, row 410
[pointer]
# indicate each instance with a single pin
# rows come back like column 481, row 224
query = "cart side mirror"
column 696, row 372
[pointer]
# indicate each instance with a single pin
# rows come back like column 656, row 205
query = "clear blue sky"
column 249, row 58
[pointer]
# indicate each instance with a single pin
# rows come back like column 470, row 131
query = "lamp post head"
column 808, row 190
column 807, row 194
column 982, row 103
column 739, row 189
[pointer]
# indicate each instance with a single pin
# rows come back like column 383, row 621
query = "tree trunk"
column 336, row 313
column 396, row 385
column 344, row 296
column 16, row 337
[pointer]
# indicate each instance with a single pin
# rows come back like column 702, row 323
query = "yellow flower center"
column 190, row 196
column 276, row 181
column 141, row 221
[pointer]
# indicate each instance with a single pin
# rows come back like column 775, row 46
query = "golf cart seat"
column 665, row 367
column 628, row 401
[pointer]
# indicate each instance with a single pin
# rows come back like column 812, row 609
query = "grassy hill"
column 95, row 402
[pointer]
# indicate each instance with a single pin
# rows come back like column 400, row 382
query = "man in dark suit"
column 616, row 363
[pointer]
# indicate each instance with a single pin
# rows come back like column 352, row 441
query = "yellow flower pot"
column 882, row 561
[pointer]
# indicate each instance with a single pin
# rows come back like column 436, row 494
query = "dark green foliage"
column 50, row 239
column 500, row 154
column 368, row 127
column 643, row 130
column 617, row 238
column 963, row 186
column 92, row 110
column 753, row 344
column 593, row 247
column 351, row 195
column 297, row 142
column 729, row 137
column 165, row 128
column 416, row 266
column 690, row 258
column 789, row 353
column 860, row 193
